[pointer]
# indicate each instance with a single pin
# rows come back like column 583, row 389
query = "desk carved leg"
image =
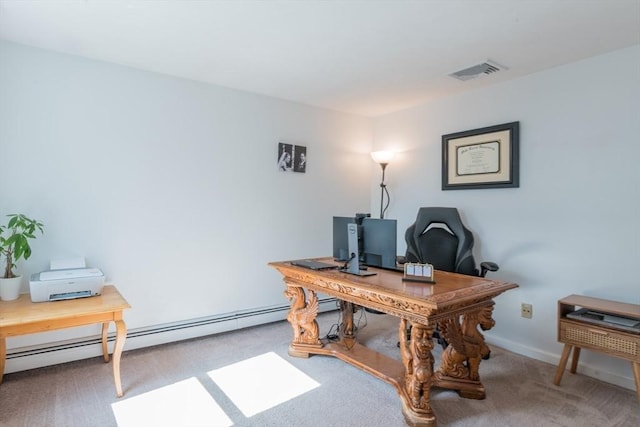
column 461, row 359
column 121, row 335
column 302, row 317
column 418, row 364
column 347, row 329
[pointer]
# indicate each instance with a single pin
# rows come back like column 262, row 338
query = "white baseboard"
column 24, row 358
column 554, row 359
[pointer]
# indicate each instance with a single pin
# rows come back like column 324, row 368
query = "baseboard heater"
column 326, row 304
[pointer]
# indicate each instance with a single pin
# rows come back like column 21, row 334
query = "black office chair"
column 439, row 237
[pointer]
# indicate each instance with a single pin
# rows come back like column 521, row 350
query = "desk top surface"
column 23, row 310
column 449, row 288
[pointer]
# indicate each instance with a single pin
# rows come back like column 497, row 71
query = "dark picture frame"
column 299, row 158
column 292, row 158
column 487, row 157
column 285, row 157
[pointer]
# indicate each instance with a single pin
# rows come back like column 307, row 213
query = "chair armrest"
column 487, row 266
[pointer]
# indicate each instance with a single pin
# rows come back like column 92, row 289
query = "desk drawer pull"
column 599, row 332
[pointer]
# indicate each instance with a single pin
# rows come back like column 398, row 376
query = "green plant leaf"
column 12, row 221
column 16, row 246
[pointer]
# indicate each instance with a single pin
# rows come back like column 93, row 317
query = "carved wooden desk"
column 456, row 303
column 21, row 317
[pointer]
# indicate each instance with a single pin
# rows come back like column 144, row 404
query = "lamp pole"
column 383, row 158
column 383, row 189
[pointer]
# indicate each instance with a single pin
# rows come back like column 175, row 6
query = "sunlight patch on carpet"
column 262, row 382
column 185, row 403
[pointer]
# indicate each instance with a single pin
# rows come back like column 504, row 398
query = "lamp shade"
column 383, row 157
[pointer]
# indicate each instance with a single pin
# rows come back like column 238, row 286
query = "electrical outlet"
column 526, row 310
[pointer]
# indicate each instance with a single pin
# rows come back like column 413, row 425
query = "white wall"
column 573, row 224
column 169, row 185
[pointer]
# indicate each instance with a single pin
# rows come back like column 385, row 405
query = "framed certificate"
column 481, row 158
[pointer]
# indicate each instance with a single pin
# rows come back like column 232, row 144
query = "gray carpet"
column 519, row 390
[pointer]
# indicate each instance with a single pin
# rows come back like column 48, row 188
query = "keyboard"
column 313, row 265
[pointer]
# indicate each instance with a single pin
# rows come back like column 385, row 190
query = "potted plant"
column 14, row 246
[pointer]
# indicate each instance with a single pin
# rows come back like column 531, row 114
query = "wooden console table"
column 608, row 339
column 456, row 303
column 21, row 317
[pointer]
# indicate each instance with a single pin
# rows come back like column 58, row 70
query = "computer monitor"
column 341, row 237
column 379, row 247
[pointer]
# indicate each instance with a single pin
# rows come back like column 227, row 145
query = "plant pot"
column 10, row 288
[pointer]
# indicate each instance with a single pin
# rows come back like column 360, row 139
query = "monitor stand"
column 354, row 262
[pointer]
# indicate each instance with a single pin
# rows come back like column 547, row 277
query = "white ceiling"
column 363, row 57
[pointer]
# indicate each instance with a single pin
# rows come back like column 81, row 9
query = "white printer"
column 68, row 283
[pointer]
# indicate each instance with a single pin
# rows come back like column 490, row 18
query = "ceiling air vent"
column 487, row 67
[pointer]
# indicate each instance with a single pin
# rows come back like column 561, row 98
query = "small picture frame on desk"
column 416, row 272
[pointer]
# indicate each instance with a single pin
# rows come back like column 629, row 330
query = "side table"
column 21, row 317
column 601, row 337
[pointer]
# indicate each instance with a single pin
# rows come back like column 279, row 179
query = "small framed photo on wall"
column 299, row 158
column 292, row 158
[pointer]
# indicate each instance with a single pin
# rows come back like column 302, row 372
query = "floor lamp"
column 383, row 158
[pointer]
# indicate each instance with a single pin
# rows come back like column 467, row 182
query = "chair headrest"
column 444, row 215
